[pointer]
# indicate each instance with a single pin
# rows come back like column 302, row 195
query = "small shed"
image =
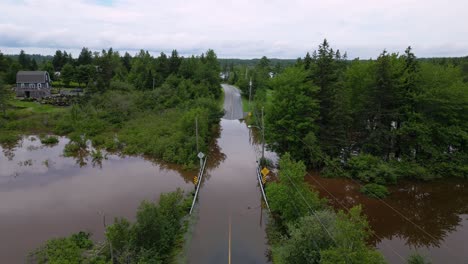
column 33, row 84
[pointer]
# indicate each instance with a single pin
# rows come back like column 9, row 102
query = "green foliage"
column 375, row 190
column 328, row 237
column 152, row 238
column 415, row 258
column 49, row 140
column 290, row 197
column 64, row 250
column 368, row 168
column 291, row 116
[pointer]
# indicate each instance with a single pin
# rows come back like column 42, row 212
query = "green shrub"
column 63, row 250
column 49, row 140
column 417, row 259
column 375, row 190
column 371, row 169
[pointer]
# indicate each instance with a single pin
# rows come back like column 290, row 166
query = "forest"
column 376, row 121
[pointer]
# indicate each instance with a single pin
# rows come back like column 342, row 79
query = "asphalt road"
column 230, row 225
column 232, row 103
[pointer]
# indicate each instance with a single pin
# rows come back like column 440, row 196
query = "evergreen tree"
column 291, row 116
column 58, row 60
column 34, row 66
column 307, row 61
column 24, row 61
column 85, row 57
column 174, row 62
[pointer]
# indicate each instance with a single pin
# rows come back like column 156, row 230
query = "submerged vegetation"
column 152, row 238
column 305, row 230
column 137, row 105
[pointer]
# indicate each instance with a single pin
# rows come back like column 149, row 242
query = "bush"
column 49, row 140
column 417, row 259
column 375, row 190
column 63, row 250
column 371, row 169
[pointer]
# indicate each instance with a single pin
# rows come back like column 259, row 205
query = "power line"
column 347, row 209
column 385, row 203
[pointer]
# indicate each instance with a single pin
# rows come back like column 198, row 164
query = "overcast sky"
column 237, row 28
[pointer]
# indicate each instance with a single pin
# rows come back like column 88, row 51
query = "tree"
column 291, row 117
column 5, row 95
column 290, row 197
column 127, row 61
column 84, row 74
column 174, row 62
column 307, row 61
column 34, row 66
column 49, row 67
column 67, row 74
column 24, row 61
column 57, row 60
column 85, row 57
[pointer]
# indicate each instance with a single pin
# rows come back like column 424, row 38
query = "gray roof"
column 31, row 77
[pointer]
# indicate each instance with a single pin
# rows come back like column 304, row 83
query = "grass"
column 245, row 104
column 35, row 107
column 28, row 118
column 221, row 100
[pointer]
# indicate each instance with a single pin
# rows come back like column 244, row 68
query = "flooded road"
column 45, row 195
column 230, row 220
column 439, row 208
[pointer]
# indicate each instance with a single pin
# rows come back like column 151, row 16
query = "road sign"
column 195, row 180
column 265, row 171
column 201, row 155
column 250, row 114
column 264, row 179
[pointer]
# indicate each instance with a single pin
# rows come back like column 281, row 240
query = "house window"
column 22, row 85
column 32, row 85
column 47, row 85
column 39, row 85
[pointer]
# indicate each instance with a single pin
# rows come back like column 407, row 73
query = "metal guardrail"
column 200, row 176
column 261, row 187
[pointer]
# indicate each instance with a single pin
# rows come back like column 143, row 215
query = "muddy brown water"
column 45, row 195
column 438, row 212
column 230, row 219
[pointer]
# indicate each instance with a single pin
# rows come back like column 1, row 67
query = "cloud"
column 242, row 28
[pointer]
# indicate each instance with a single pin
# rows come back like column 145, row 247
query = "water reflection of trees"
column 434, row 207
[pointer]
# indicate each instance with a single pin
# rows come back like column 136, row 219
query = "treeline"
column 374, row 120
column 137, row 105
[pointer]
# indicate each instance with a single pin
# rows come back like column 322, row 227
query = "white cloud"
column 242, row 28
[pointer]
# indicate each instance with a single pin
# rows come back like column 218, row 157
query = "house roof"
column 31, row 77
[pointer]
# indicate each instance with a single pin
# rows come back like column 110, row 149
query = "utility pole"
column 199, row 153
column 250, row 94
column 196, row 132
column 263, row 137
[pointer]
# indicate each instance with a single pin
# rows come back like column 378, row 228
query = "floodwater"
column 229, row 208
column 45, row 195
column 230, row 225
column 430, row 218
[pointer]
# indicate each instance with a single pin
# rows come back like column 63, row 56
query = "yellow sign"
column 265, row 171
column 250, row 114
column 264, row 179
column 195, row 180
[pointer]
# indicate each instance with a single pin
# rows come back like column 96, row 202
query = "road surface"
column 231, row 223
column 232, row 103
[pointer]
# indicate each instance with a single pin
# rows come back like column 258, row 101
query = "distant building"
column 33, row 84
